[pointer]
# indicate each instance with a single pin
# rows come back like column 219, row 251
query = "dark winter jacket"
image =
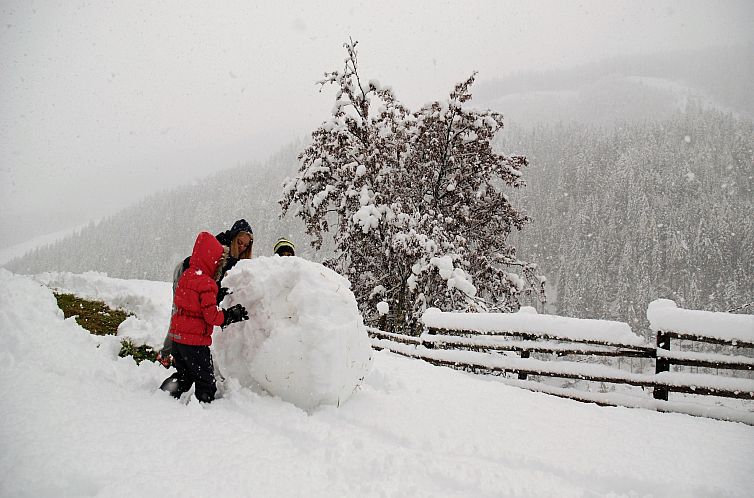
column 196, row 295
column 239, row 226
column 225, row 238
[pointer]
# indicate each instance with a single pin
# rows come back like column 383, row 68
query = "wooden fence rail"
column 664, row 358
column 582, row 358
column 663, row 381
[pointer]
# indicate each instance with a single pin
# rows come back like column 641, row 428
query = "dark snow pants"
column 194, row 366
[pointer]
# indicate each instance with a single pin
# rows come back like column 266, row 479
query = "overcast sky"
column 102, row 102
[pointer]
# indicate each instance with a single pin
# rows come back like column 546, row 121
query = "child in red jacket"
column 196, row 315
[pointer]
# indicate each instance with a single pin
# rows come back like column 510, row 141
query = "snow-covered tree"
column 418, row 200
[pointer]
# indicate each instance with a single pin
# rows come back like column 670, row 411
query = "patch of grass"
column 100, row 319
column 95, row 316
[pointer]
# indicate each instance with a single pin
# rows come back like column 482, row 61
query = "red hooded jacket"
column 196, row 295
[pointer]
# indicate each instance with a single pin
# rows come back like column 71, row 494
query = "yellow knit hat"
column 281, row 243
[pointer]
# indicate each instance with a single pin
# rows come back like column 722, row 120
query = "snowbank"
column 77, row 420
column 526, row 320
column 665, row 315
column 149, row 301
column 305, row 339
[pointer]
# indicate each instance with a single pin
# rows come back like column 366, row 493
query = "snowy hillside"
column 605, row 102
column 80, row 421
column 628, row 88
column 18, row 250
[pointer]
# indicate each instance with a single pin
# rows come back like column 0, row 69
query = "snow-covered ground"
column 77, row 420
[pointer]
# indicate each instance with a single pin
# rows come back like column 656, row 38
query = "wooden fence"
column 547, row 353
column 665, row 358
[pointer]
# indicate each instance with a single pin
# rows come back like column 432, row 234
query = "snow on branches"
column 418, row 200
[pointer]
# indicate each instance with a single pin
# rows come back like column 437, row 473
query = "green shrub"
column 140, row 353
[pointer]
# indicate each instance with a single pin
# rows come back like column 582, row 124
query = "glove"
column 234, row 314
column 224, row 291
column 164, row 359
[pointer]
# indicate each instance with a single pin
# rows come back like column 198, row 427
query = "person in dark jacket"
column 195, row 317
column 239, row 240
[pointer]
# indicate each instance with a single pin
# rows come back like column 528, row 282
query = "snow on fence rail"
column 668, row 322
column 527, row 322
column 705, row 326
column 474, row 341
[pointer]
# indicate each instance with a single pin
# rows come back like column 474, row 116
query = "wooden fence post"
column 430, row 345
column 524, row 354
column 661, row 364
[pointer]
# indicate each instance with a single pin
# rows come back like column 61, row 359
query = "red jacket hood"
column 207, row 254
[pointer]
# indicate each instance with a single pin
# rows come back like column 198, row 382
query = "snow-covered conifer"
column 418, row 199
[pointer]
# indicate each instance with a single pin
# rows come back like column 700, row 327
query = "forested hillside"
column 640, row 185
column 620, row 216
column 147, row 240
column 641, row 211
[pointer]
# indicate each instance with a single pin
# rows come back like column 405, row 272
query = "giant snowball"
column 305, row 340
